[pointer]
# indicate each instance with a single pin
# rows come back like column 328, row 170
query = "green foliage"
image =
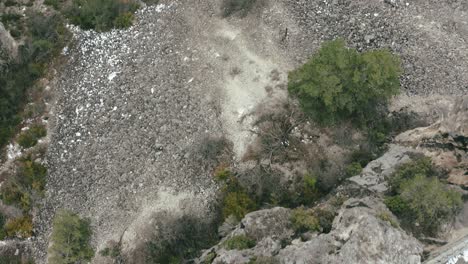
column 353, row 169
column 303, row 192
column 222, row 174
column 304, row 220
column 236, row 200
column 124, row 20
column 19, row 227
column 102, row 15
column 238, row 204
column 187, row 237
column 239, row 242
column 421, row 166
column 420, row 200
column 340, row 83
column 43, row 38
column 233, row 6
column 29, row 138
column 70, row 239
column 32, row 175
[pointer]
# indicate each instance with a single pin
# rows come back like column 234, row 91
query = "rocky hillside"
column 141, row 118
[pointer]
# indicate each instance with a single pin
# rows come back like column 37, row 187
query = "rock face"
column 359, row 235
column 373, row 175
column 446, row 142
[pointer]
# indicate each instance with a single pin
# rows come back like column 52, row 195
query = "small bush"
column 239, row 242
column 19, row 227
column 304, row 220
column 421, row 166
column 102, row 15
column 12, row 194
column 29, row 138
column 238, row 204
column 70, row 239
column 237, row 6
column 236, row 201
column 353, row 169
column 222, row 174
column 32, row 175
column 340, row 83
column 420, row 200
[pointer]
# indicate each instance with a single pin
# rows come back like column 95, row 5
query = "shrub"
column 420, row 200
column 304, row 220
column 102, row 15
column 113, row 251
column 340, row 83
column 19, row 227
column 353, row 169
column 12, row 194
column 70, row 239
column 233, row 6
column 420, row 166
column 29, row 138
column 238, row 204
column 239, row 242
column 236, row 201
column 32, row 175
column 222, row 174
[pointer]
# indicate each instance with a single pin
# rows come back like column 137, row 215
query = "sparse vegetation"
column 182, row 241
column 384, row 216
column 236, row 201
column 303, row 220
column 19, row 227
column 420, row 200
column 70, row 239
column 306, row 220
column 339, row 83
column 242, row 7
column 43, row 37
column 353, row 169
column 239, row 242
column 102, row 15
column 28, row 182
column 29, row 138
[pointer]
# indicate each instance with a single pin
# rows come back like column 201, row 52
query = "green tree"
column 70, row 239
column 339, row 83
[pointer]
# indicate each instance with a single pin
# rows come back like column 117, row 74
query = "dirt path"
column 248, row 68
